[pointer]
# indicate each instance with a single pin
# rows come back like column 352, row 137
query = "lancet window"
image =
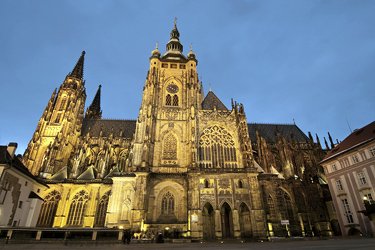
column 271, row 208
column 62, row 104
column 175, row 100
column 168, row 100
column 167, row 204
column 77, row 209
column 217, row 149
column 171, row 100
column 170, row 148
column 48, row 209
column 101, row 210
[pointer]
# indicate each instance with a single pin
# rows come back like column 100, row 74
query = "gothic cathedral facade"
column 188, row 163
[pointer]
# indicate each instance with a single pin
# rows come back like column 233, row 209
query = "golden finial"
column 175, row 21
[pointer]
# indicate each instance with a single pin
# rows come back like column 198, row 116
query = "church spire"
column 174, row 44
column 78, row 69
column 94, row 110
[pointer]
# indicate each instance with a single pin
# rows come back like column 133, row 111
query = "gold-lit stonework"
column 187, row 164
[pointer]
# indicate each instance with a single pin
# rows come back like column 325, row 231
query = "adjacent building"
column 188, row 165
column 20, row 202
column 350, row 171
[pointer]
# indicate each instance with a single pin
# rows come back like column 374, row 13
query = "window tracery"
column 48, row 209
column 170, row 148
column 77, row 209
column 167, row 204
column 217, row 149
column 101, row 210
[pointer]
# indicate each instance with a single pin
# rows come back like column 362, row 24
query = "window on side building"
column 339, row 185
column 362, row 178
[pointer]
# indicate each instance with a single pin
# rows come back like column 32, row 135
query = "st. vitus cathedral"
column 188, row 164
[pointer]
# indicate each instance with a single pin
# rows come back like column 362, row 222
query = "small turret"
column 155, row 52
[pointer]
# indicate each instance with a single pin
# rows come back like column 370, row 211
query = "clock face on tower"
column 172, row 88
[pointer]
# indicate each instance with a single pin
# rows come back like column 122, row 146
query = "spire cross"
column 191, row 47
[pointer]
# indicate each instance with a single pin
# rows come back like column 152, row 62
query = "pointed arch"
column 168, row 100
column 245, row 221
column 168, row 204
column 101, row 210
column 170, row 147
column 286, row 208
column 208, row 214
column 226, row 220
column 62, row 103
column 122, row 166
column 175, row 100
column 77, row 208
column 206, row 183
column 271, row 208
column 48, row 209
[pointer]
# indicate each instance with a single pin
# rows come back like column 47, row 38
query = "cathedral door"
column 245, row 223
column 226, row 221
column 208, row 214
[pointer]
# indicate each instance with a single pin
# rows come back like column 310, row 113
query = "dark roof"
column 34, row 195
column 211, row 100
column 355, row 139
column 15, row 162
column 109, row 126
column 270, row 131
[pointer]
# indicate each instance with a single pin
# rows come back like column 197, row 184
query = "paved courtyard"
column 342, row 244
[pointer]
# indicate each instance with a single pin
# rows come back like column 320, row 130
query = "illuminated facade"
column 187, row 164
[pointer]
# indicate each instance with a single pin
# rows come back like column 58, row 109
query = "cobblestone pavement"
column 331, row 244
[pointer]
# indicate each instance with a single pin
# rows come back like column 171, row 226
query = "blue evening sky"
column 312, row 61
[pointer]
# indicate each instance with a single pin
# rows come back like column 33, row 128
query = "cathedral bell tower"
column 58, row 129
column 166, row 126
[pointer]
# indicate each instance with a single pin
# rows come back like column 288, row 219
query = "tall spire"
column 318, row 141
column 78, row 69
column 326, row 143
column 330, row 140
column 94, row 110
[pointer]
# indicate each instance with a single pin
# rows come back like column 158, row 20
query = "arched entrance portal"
column 226, row 221
column 208, row 214
column 245, row 223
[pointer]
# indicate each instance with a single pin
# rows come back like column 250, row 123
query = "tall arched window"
column 77, row 209
column 62, row 104
column 167, row 204
column 170, row 147
column 217, row 149
column 271, row 208
column 175, row 100
column 285, row 204
column 48, row 209
column 101, row 210
column 168, row 100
